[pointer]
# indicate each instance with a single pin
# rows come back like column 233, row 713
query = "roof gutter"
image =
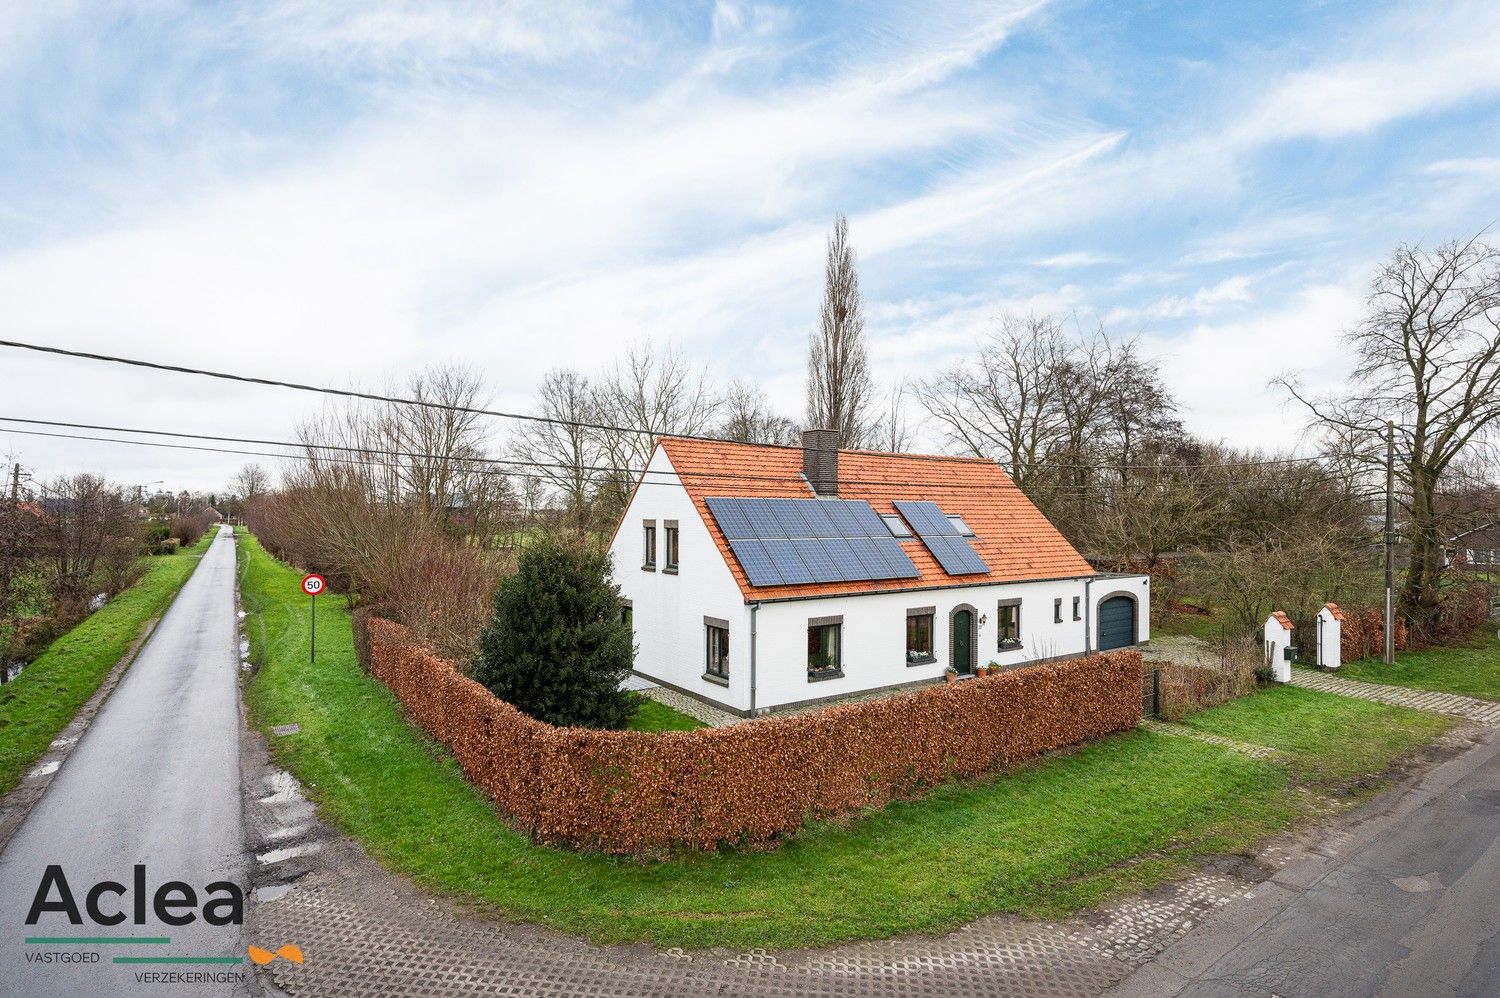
column 919, row 589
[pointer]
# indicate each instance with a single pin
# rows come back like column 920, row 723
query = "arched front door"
column 1116, row 623
column 962, row 645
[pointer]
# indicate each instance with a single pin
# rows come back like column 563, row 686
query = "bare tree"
column 749, row 417
column 839, row 389
column 252, row 481
column 892, row 431
column 1427, row 356
column 564, row 452
column 86, row 536
column 651, row 394
column 1003, row 404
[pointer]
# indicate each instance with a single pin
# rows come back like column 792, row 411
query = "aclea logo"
column 261, row 957
column 106, row 902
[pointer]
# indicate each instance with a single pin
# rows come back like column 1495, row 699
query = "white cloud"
column 390, row 31
column 1221, row 370
column 1425, row 57
column 1076, row 258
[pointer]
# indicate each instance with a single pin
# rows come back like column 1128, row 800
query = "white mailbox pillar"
column 1330, row 636
column 1278, row 639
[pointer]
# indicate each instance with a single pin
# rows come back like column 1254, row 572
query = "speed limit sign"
column 312, row 584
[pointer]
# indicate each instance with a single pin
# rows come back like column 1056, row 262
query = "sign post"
column 313, row 584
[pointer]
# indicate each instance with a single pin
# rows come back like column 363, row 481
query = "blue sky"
column 341, row 191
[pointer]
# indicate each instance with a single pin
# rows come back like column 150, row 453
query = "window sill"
column 716, row 680
column 669, row 570
column 649, row 568
column 1012, row 646
column 818, row 677
column 912, row 663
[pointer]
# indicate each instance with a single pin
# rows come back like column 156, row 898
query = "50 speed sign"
column 314, row 584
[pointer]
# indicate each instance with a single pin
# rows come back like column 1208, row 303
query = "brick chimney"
column 820, row 460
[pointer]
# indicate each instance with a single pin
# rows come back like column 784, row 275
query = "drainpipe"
column 1088, row 614
column 754, row 611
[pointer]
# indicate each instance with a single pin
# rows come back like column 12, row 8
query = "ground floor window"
column 1077, row 612
column 1008, row 624
column 716, row 655
column 823, row 649
column 919, row 637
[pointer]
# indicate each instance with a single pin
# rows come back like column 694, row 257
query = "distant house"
column 1476, row 550
column 761, row 577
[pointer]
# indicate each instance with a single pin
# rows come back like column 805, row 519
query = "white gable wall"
column 667, row 609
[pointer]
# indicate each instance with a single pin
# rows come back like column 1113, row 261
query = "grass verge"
column 40, row 702
column 1471, row 669
column 1067, row 832
column 655, row 716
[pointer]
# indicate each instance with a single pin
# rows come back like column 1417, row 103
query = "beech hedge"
column 639, row 793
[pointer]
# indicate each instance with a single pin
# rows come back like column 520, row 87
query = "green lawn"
column 43, row 699
column 653, row 716
column 1064, row 833
column 1208, row 626
column 1330, row 740
column 1472, row 669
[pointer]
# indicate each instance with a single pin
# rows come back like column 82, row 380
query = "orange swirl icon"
column 261, row 957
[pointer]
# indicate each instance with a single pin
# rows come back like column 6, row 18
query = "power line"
column 310, row 448
column 528, row 417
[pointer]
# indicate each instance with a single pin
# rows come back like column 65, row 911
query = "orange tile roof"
column 1011, row 534
column 1283, row 619
column 1333, row 608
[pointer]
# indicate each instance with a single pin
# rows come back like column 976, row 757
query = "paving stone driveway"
column 1485, row 712
column 366, row 932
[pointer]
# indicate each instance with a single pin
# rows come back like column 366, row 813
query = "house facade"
column 1476, row 550
column 760, row 577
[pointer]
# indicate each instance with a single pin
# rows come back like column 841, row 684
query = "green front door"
column 963, row 642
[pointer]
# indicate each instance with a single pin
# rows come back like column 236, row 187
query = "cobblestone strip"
column 709, row 715
column 364, row 932
column 1183, row 731
column 1483, row 712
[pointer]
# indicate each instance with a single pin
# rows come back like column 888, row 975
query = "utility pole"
column 1390, row 542
column 10, row 525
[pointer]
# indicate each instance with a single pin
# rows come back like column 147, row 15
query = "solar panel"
column 956, row 555
column 800, row 541
column 730, row 515
column 943, row 538
column 927, row 519
column 783, row 554
column 757, row 564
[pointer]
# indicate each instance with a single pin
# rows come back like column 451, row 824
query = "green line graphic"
column 93, row 940
column 179, row 959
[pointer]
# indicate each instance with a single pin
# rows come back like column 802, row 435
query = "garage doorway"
column 1117, row 622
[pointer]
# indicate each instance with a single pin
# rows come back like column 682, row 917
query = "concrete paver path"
column 1485, row 712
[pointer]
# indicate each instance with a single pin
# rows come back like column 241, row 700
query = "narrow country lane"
column 155, row 781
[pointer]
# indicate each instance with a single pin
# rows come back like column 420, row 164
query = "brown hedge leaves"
column 637, row 793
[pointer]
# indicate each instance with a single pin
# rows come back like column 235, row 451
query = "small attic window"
column 958, row 521
column 895, row 525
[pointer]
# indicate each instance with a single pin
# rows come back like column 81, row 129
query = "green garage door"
column 1116, row 623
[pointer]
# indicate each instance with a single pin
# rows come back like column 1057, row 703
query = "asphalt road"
column 1408, row 903
column 156, row 781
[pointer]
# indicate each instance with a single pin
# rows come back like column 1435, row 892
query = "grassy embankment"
column 44, row 698
column 1472, row 669
column 1064, row 833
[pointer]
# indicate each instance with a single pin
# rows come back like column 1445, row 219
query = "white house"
column 759, row 577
